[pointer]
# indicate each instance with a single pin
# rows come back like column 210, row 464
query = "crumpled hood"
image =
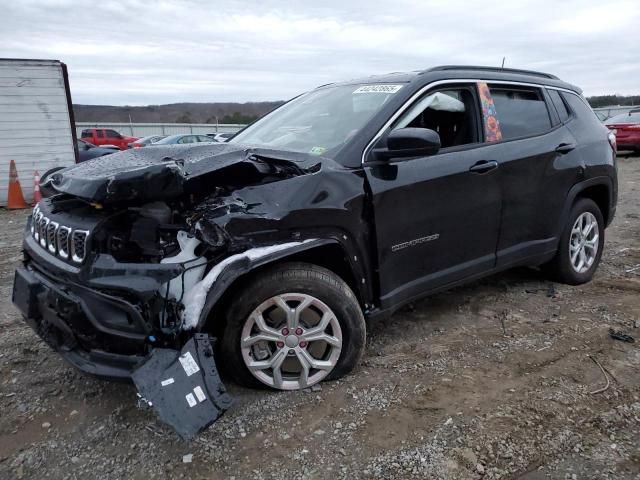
column 162, row 172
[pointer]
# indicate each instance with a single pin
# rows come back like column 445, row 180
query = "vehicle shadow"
column 458, row 301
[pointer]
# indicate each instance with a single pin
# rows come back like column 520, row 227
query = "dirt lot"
column 493, row 380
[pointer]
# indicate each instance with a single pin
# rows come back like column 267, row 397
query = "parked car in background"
column 87, row 151
column 144, row 141
column 184, row 138
column 106, row 136
column 220, row 137
column 626, row 128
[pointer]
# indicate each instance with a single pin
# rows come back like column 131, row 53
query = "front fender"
column 202, row 298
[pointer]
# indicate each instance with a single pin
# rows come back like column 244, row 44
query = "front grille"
column 60, row 240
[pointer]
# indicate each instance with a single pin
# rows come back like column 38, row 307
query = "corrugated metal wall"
column 35, row 130
column 145, row 129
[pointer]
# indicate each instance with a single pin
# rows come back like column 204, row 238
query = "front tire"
column 581, row 244
column 291, row 327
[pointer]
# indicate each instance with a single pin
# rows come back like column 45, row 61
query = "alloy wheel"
column 291, row 341
column 584, row 242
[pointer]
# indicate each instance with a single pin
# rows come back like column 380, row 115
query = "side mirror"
column 412, row 142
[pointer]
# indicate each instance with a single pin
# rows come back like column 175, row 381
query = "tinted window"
column 113, row 134
column 561, row 108
column 624, row 118
column 580, row 107
column 521, row 112
column 100, row 133
column 86, row 133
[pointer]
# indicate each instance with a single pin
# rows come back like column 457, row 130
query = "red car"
column 627, row 130
column 106, row 136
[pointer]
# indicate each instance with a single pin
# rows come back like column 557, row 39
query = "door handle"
column 565, row 147
column 484, row 166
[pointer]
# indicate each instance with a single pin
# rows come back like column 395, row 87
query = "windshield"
column 318, row 121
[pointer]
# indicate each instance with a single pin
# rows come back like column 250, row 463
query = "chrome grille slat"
column 52, row 229
column 79, row 245
column 36, row 233
column 44, row 223
column 63, row 241
column 60, row 240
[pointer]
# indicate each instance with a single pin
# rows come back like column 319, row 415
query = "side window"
column 522, row 112
column 580, row 107
column 85, row 134
column 452, row 113
column 113, row 134
column 559, row 104
column 100, row 133
column 204, row 138
column 186, row 139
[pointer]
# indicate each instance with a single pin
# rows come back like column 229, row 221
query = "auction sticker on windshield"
column 378, row 89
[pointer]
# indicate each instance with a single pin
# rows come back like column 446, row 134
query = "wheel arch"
column 598, row 189
column 328, row 253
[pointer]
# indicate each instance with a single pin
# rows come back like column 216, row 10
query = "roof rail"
column 491, row 69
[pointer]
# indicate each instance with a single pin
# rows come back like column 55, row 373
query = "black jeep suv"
column 343, row 204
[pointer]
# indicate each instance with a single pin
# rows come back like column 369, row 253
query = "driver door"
column 436, row 217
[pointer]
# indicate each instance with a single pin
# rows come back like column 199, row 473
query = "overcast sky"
column 146, row 52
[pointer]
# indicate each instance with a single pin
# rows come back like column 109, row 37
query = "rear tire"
column 310, row 326
column 580, row 247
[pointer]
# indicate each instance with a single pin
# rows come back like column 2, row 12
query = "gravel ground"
column 496, row 379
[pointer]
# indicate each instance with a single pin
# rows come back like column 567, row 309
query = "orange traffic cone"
column 36, row 187
column 15, row 199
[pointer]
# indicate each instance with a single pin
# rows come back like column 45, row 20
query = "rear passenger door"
column 538, row 165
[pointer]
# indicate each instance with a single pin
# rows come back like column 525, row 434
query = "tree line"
column 613, row 100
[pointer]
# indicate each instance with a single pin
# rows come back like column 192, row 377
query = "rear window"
column 561, row 108
column 580, row 107
column 521, row 112
column 624, row 118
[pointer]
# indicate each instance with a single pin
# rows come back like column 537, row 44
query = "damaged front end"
column 119, row 264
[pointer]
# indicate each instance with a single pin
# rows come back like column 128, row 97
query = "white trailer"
column 36, row 120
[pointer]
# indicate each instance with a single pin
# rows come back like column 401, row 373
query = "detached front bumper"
column 183, row 386
column 98, row 316
column 66, row 323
